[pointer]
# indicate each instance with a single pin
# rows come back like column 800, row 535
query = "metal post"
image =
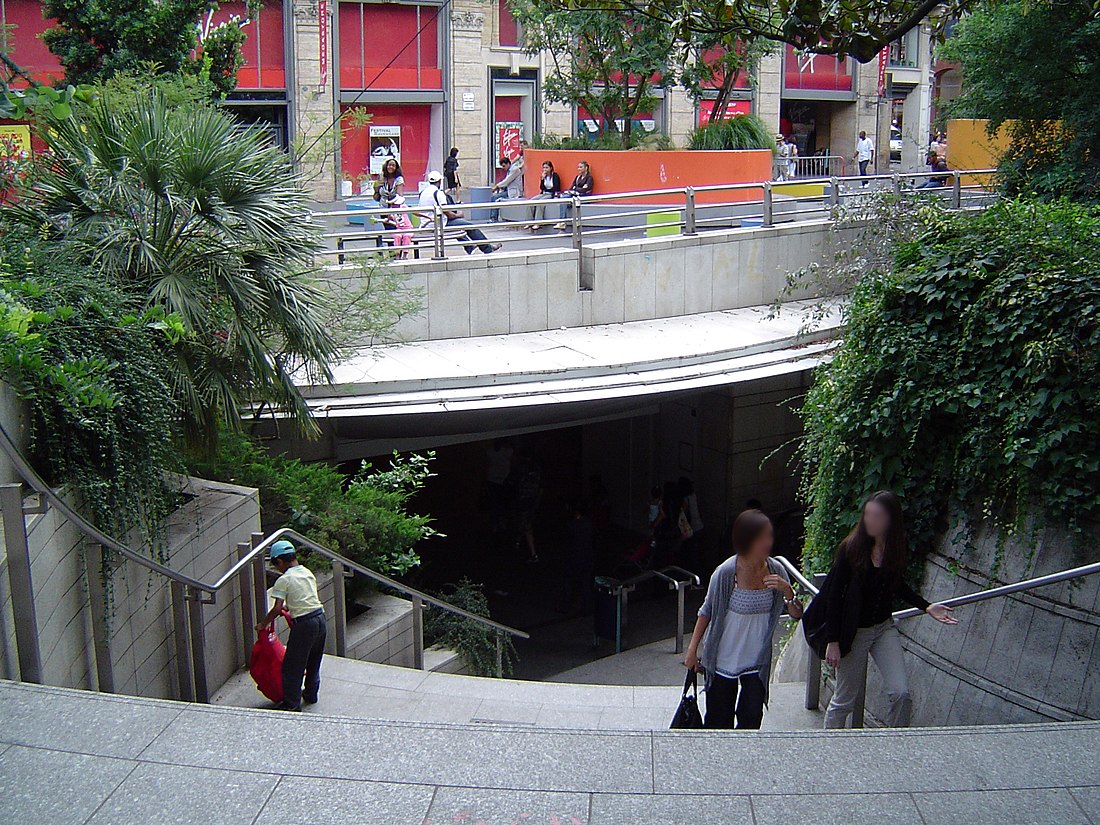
column 575, row 223
column 98, row 572
column 340, row 247
column 418, row 633
column 437, row 234
column 861, row 702
column 619, row 620
column 339, row 608
column 680, row 587
column 834, row 192
column 183, row 644
column 896, row 180
column 248, row 609
column 813, row 666
column 956, row 190
column 689, row 216
column 500, row 653
column 198, row 645
column 767, row 216
column 22, row 586
column 259, row 580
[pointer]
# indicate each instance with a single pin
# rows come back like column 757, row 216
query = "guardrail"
column 813, row 673
column 603, row 216
column 189, row 595
column 678, row 579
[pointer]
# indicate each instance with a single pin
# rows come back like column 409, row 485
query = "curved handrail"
column 796, row 574
column 663, row 573
column 39, row 485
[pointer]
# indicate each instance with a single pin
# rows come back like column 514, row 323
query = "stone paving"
column 78, row 757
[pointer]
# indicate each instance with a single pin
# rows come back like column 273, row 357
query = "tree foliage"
column 200, row 216
column 968, row 380
column 1036, row 67
column 608, row 63
column 861, row 29
column 90, row 362
column 475, row 643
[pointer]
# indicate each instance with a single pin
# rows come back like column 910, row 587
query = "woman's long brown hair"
column 856, row 548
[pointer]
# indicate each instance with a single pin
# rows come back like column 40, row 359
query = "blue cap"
column 282, row 548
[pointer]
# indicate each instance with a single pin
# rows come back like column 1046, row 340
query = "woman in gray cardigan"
column 736, row 623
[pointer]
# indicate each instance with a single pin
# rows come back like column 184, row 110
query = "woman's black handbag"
column 687, row 715
column 813, row 619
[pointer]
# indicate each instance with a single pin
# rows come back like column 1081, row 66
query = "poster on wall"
column 733, row 109
column 385, row 143
column 15, row 140
column 509, row 134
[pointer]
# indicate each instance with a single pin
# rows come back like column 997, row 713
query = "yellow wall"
column 969, row 146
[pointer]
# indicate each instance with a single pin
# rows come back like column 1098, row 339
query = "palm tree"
column 201, row 215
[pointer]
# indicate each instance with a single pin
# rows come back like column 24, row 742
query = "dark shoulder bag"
column 687, row 714
column 813, row 618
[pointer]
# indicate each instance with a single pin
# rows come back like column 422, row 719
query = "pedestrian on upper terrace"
column 549, row 189
column 450, row 174
column 865, row 154
column 296, row 590
column 582, row 186
column 867, row 575
column 732, row 640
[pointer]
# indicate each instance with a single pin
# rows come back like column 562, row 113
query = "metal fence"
column 624, row 215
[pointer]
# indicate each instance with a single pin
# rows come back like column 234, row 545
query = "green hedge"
column 968, row 381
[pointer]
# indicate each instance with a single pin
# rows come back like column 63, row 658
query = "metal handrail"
column 678, row 579
column 189, row 626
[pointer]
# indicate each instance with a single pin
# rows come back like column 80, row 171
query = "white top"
column 429, row 197
column 298, row 589
column 745, row 632
column 864, row 149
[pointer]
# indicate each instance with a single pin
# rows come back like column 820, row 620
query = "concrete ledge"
column 72, row 756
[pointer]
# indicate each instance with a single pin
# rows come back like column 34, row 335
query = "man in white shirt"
column 434, row 195
column 865, row 154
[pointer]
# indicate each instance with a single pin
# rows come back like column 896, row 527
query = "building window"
column 402, row 131
column 592, row 126
column 22, row 23
column 509, row 32
column 816, row 73
column 389, row 46
column 264, row 58
column 903, row 51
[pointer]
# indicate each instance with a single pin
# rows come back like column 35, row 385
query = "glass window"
column 509, row 32
column 389, row 46
column 22, row 23
column 264, row 58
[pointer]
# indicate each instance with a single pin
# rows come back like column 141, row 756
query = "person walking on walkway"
column 866, row 576
column 296, row 590
column 450, row 174
column 865, row 154
column 745, row 598
column 432, row 196
column 549, row 188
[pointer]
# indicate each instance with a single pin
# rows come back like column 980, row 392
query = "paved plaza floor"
column 78, row 757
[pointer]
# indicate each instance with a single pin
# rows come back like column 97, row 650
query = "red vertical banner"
column 883, row 57
column 322, row 39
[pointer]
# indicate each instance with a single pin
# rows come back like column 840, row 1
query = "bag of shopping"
column 266, row 663
column 687, row 715
column 813, row 619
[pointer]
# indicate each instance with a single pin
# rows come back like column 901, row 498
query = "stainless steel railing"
column 189, row 595
column 678, row 579
column 762, row 204
column 813, row 675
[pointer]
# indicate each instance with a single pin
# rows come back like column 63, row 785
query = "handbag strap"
column 691, row 682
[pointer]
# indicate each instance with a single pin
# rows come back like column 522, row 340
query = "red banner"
column 322, row 39
column 883, row 57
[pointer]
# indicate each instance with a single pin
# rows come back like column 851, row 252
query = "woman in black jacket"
column 583, row 184
column 549, row 188
column 866, row 577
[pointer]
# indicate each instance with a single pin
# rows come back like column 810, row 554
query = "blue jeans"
column 497, row 197
column 472, row 235
column 304, row 650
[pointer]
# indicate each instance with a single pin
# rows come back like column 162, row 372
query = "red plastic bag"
column 266, row 663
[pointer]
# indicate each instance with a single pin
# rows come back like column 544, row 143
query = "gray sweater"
column 716, row 606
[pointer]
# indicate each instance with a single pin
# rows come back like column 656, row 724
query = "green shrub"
column 475, row 643
column 968, row 381
column 365, row 517
column 90, row 361
column 740, row 132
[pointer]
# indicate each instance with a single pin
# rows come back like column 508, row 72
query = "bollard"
column 689, row 217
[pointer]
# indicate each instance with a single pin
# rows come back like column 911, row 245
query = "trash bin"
column 607, row 618
column 480, row 194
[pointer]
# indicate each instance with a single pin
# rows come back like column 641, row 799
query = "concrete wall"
column 201, row 541
column 1031, row 657
column 605, row 283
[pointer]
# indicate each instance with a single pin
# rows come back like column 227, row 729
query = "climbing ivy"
column 968, row 381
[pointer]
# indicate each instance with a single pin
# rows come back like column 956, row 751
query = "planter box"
column 633, row 171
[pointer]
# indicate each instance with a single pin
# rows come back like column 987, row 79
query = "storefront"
column 514, row 112
column 818, row 102
column 391, row 72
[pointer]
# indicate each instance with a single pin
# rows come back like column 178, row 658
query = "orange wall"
column 969, row 145
column 633, row 170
